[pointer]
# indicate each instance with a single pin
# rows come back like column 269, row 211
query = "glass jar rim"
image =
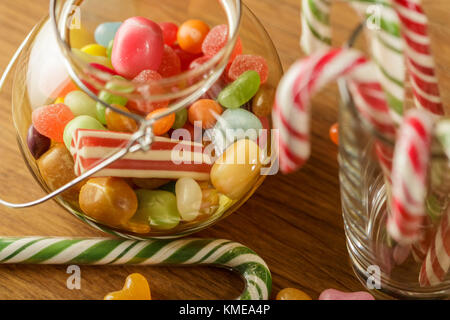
column 216, row 64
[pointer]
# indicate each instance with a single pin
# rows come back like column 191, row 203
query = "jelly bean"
column 51, row 120
column 333, row 294
column 136, row 227
column 247, row 62
column 150, row 184
column 334, row 133
column 138, row 46
column 189, row 198
column 110, row 98
column 263, row 101
column 217, row 39
column 210, row 200
column 240, row 91
column 170, row 64
column 88, row 58
column 81, row 104
column 80, row 37
column 236, row 170
column 235, row 124
column 292, row 294
column 59, row 100
column 105, row 32
column 57, row 169
column 158, row 208
column 169, row 31
column 80, row 122
column 63, row 89
column 136, row 288
column 108, row 200
column 180, row 119
column 117, row 122
column 191, row 34
column 206, row 112
column 163, row 125
column 37, row 143
column 95, row 50
column 109, row 49
column 148, row 84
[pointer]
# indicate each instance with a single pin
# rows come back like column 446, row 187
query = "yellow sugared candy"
column 235, row 171
column 292, row 294
column 136, row 288
column 80, row 37
column 95, row 50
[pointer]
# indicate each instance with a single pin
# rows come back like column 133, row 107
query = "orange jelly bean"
column 191, row 35
column 117, row 122
column 163, row 125
column 206, row 111
column 108, row 200
column 136, row 288
column 292, row 294
column 334, row 133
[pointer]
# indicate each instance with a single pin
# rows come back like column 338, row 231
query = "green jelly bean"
column 80, row 122
column 109, row 49
column 240, row 91
column 81, row 104
column 108, row 97
column 158, row 208
column 180, row 119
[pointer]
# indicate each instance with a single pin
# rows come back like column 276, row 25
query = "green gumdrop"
column 108, row 97
column 158, row 208
column 240, row 91
column 180, row 119
column 80, row 122
column 80, row 104
column 109, row 49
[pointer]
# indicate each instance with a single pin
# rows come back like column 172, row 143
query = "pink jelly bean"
column 247, row 62
column 138, row 46
column 169, row 31
column 333, row 294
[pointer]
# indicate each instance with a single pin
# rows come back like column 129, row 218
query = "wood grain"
column 293, row 222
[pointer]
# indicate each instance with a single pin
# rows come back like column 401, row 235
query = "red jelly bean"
column 216, row 40
column 185, row 57
column 138, row 46
column 247, row 62
column 334, row 134
column 171, row 64
column 169, row 31
column 149, row 78
column 51, row 120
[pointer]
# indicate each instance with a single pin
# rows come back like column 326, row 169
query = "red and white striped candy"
column 409, row 176
column 164, row 159
column 420, row 62
column 291, row 112
column 437, row 262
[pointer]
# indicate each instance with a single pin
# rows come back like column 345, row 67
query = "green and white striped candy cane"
column 104, row 251
column 387, row 45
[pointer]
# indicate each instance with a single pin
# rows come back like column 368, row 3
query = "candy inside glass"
column 51, row 66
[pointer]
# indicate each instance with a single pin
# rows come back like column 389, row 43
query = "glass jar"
column 52, row 63
column 385, row 267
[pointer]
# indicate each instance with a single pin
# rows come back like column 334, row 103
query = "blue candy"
column 106, row 32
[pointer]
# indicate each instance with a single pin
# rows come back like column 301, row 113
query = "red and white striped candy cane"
column 437, row 262
column 291, row 112
column 420, row 62
column 409, row 176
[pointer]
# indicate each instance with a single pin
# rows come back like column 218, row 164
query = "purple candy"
column 333, row 294
column 37, row 143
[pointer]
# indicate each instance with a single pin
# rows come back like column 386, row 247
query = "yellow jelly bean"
column 80, row 37
column 59, row 100
column 237, row 169
column 94, row 50
column 88, row 58
column 292, row 294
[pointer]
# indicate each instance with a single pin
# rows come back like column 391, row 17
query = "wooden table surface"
column 294, row 222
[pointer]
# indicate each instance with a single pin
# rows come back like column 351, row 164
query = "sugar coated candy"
column 247, row 62
column 217, row 39
column 240, row 91
column 170, row 64
column 106, row 32
column 51, row 120
column 138, row 46
column 147, row 83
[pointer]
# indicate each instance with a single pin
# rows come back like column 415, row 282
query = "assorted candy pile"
column 179, row 180
column 417, row 223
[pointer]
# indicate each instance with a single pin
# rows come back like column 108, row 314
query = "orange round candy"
column 206, row 111
column 191, row 34
column 334, row 133
column 136, row 288
column 51, row 120
column 117, row 122
column 163, row 125
column 292, row 294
